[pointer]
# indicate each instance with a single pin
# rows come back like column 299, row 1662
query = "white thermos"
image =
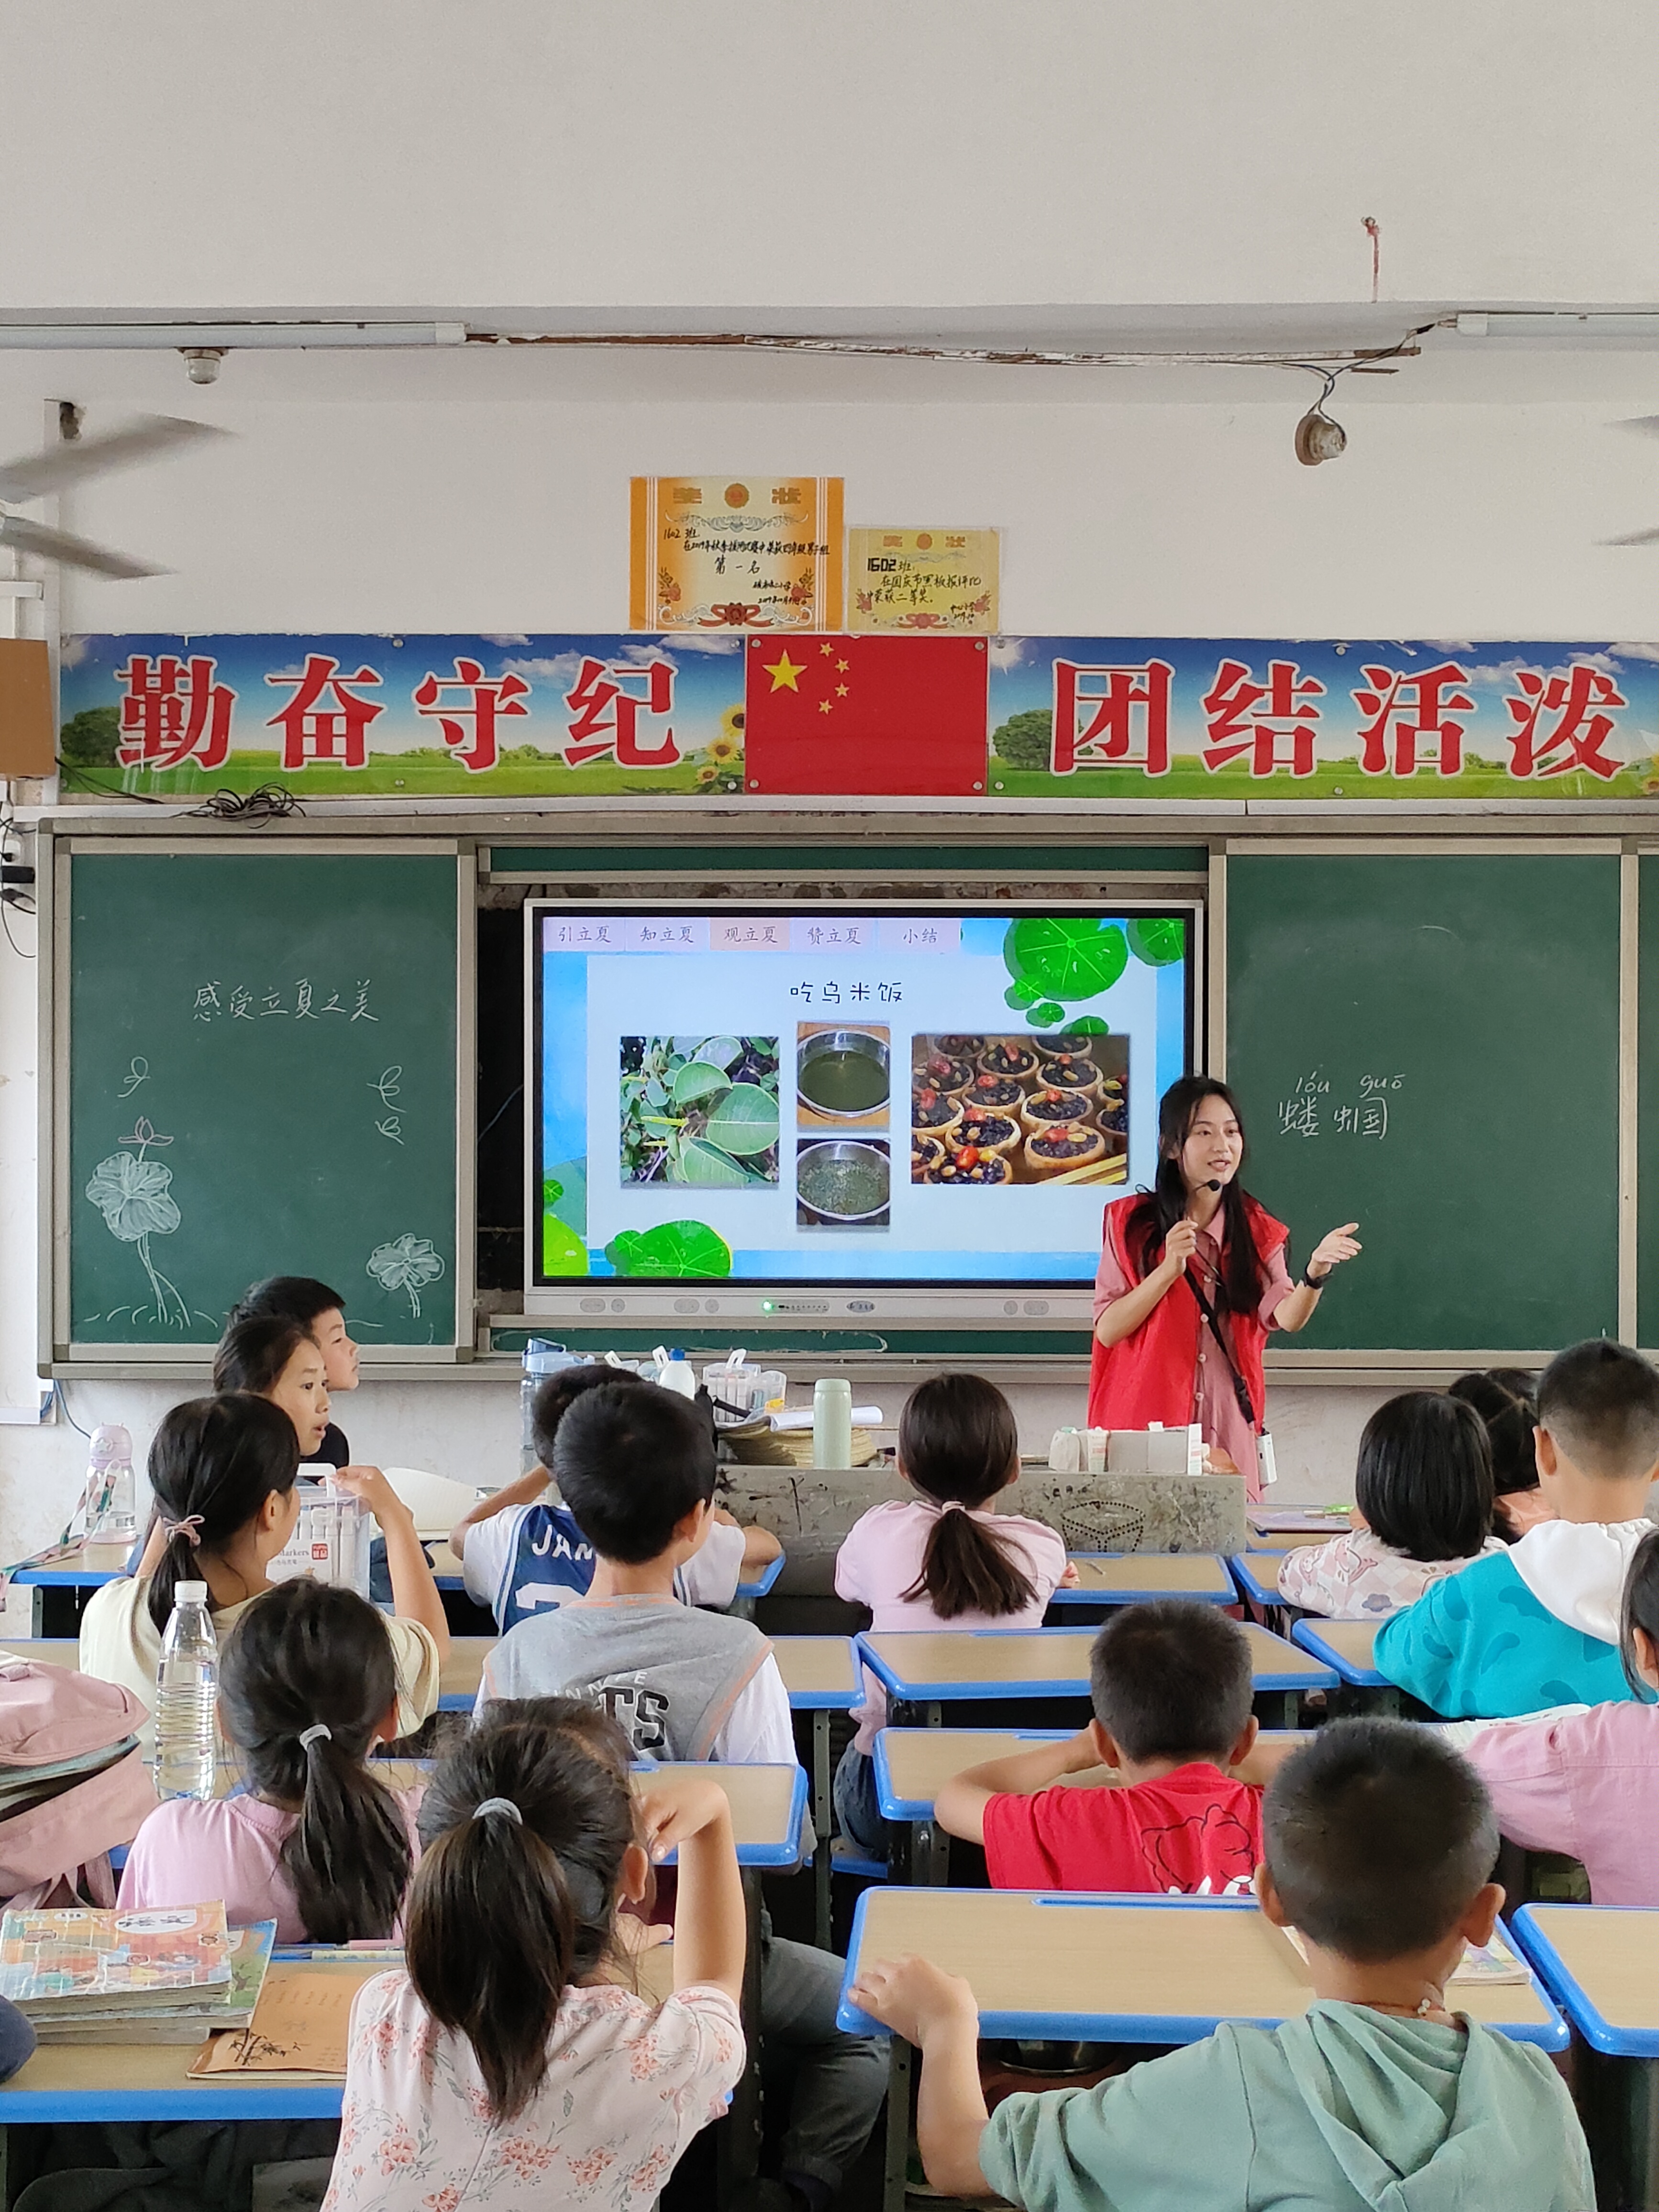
column 832, row 1422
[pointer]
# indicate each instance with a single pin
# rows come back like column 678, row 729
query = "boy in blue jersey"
column 1537, row 1624
column 521, row 1553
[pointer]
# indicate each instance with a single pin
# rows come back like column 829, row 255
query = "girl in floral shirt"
column 510, row 2066
column 1423, row 1510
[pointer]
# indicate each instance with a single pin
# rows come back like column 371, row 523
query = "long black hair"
column 1640, row 1610
column 1153, row 1217
column 214, row 1461
column 304, row 1654
column 958, row 1445
column 505, row 1913
column 252, row 1353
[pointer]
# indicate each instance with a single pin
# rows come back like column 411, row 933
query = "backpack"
column 73, row 1784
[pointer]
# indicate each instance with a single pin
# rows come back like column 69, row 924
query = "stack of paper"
column 300, row 2025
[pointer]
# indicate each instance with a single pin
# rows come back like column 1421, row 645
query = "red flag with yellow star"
column 897, row 716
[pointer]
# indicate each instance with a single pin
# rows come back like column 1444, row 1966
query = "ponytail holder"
column 319, row 1731
column 189, row 1528
column 498, row 1805
column 952, row 1505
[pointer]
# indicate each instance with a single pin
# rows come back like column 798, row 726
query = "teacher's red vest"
column 1149, row 1375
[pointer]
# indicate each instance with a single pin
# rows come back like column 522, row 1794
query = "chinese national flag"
column 835, row 716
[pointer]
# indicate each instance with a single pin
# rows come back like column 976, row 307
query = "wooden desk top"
column 943, row 1663
column 151, row 2081
column 1162, row 1972
column 767, row 1805
column 1604, row 1974
column 446, row 1567
column 1127, row 1576
column 48, row 1650
column 462, row 1671
column 1352, row 1640
column 917, row 1763
column 85, row 1565
column 818, row 1671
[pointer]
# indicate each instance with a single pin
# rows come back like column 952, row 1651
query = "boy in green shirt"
column 1377, row 1844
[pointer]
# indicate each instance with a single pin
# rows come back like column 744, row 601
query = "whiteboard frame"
column 1404, row 1368
column 59, row 1354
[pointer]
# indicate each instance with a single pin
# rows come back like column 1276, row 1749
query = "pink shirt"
column 1586, row 1785
column 627, row 2085
column 187, row 1853
column 1215, row 1404
column 881, row 1558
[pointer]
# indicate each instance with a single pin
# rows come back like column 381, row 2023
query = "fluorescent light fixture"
column 133, row 338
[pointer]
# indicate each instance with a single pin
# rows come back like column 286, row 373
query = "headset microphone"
column 1210, row 1186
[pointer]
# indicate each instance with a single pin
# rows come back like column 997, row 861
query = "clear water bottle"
column 110, row 1515
column 187, row 1692
column 541, row 1359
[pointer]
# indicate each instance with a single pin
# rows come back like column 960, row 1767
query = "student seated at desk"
column 1170, row 1685
column 321, row 1313
column 508, row 2063
column 636, row 1467
column 1378, row 1842
column 1586, row 1782
column 275, row 1358
column 307, row 1687
column 223, row 1471
column 1538, row 1625
column 943, row 1558
column 1506, row 1399
column 1424, row 1506
column 521, row 1552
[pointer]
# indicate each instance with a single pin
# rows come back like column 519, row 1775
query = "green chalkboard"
column 1429, row 1044
column 1647, row 1144
column 261, row 1059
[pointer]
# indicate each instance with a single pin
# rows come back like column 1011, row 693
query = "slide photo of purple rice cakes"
column 988, row 1111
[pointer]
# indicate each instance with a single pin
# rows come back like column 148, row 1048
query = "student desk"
column 449, row 1573
column 1347, row 1645
column 1102, row 1969
column 1256, row 1574
column 462, row 1672
column 821, row 1677
column 45, row 1650
column 933, row 1667
column 1601, row 1963
column 60, row 1587
column 1105, row 1579
column 769, row 1805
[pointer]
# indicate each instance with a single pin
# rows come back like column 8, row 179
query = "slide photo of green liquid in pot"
column 843, row 1079
column 843, row 1182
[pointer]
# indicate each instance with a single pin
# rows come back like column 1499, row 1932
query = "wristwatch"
column 1314, row 1282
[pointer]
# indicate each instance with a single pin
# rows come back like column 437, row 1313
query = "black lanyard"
column 1241, row 1388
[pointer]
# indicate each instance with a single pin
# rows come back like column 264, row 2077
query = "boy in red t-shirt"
column 1171, row 1689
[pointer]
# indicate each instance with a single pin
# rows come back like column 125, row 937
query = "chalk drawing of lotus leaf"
column 132, row 1195
column 408, row 1263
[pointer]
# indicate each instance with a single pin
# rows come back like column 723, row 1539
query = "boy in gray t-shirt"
column 635, row 1466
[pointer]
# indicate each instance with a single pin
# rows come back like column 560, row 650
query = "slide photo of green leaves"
column 701, row 1111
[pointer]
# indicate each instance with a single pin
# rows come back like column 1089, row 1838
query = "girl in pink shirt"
column 511, row 2065
column 1586, row 1782
column 945, row 1557
column 307, row 1685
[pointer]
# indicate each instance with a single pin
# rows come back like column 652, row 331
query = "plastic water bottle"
column 111, row 1516
column 832, row 1422
column 187, row 1691
column 541, row 1359
column 674, row 1371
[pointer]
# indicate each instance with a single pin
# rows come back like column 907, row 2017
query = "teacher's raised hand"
column 1179, row 1246
column 1331, row 1251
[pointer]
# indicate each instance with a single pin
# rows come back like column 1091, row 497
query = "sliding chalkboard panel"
column 1429, row 1044
column 260, row 1049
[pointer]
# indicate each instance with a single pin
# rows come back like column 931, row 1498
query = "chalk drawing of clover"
column 408, row 1263
column 134, row 1195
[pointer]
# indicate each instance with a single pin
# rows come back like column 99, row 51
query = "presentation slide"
column 847, row 1097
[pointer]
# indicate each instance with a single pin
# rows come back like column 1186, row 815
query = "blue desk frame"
column 1109, row 1599
column 1308, row 1633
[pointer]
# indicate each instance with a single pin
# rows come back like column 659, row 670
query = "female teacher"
column 1192, row 1277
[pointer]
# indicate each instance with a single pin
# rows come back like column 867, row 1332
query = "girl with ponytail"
column 944, row 1556
column 511, row 2058
column 307, row 1687
column 223, row 1471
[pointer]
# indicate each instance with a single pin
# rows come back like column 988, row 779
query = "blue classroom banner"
column 518, row 715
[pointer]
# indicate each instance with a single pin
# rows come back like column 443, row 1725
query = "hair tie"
column 952, row 1505
column 317, row 1730
column 498, row 1805
column 189, row 1528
